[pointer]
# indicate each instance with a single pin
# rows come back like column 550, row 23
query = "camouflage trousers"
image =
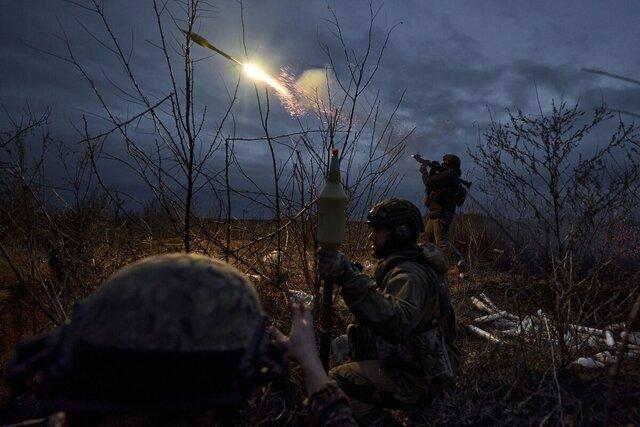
column 371, row 387
column 437, row 231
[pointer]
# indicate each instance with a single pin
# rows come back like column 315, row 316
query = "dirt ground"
column 499, row 384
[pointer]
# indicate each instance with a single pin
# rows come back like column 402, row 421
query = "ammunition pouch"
column 461, row 195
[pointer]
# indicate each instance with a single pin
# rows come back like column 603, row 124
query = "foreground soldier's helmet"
column 452, row 159
column 397, row 215
column 169, row 332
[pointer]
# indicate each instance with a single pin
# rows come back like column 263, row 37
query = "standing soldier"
column 402, row 346
column 444, row 192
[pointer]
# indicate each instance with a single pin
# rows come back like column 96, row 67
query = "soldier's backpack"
column 461, row 195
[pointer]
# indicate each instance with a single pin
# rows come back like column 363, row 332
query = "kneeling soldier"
column 402, row 345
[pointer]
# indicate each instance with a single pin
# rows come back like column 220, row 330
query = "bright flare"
column 256, row 73
column 284, row 85
column 281, row 86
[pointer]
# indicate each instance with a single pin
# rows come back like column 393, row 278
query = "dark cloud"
column 459, row 62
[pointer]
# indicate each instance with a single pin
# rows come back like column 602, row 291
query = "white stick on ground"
column 481, row 306
column 589, row 363
column 634, row 337
column 523, row 326
column 616, row 326
column 495, row 309
column 587, row 330
column 484, row 334
column 575, row 335
column 490, row 317
column 608, row 335
column 607, row 357
column 489, row 302
column 604, row 357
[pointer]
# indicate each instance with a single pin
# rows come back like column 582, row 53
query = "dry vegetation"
column 512, row 384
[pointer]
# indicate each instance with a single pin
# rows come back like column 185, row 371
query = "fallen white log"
column 589, row 363
column 511, row 316
column 608, row 357
column 505, row 324
column 572, row 337
column 496, row 309
column 491, row 317
column 586, row 336
column 617, row 326
column 605, row 357
column 489, row 302
column 575, row 335
column 481, row 306
column 524, row 325
column 484, row 334
column 634, row 337
column 595, row 342
column 608, row 335
column 587, row 330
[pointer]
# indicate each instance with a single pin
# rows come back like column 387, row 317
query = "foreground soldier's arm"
column 328, row 405
column 393, row 313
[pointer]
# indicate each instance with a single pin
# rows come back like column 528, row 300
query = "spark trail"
column 283, row 85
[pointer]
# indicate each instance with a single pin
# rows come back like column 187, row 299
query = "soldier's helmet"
column 169, row 332
column 452, row 159
column 396, row 215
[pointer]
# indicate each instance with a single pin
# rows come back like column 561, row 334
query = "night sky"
column 459, row 61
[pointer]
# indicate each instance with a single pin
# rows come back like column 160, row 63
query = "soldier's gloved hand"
column 334, row 266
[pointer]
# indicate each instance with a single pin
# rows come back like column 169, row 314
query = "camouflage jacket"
column 406, row 311
column 329, row 407
column 441, row 187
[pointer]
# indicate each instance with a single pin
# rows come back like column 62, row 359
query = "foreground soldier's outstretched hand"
column 301, row 346
column 334, row 266
column 301, row 341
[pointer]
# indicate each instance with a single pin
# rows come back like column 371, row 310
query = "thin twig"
column 555, row 373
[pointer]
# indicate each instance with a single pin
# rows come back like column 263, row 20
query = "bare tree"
column 565, row 191
column 175, row 166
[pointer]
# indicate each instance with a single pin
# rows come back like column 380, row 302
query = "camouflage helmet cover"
column 392, row 213
column 169, row 332
column 177, row 302
column 452, row 159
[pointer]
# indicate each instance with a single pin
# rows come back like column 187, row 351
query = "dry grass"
column 498, row 384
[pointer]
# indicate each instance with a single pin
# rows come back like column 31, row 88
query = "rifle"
column 430, row 163
column 436, row 165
